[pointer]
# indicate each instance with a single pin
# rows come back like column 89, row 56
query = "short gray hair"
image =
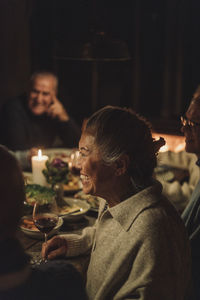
column 44, row 74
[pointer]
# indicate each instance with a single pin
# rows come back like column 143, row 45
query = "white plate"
column 73, row 186
column 37, row 234
column 75, row 203
column 93, row 201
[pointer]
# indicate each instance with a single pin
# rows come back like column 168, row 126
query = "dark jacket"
column 191, row 218
column 21, row 130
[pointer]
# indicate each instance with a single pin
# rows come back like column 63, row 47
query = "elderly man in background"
column 38, row 119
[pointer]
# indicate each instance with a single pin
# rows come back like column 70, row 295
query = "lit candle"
column 38, row 164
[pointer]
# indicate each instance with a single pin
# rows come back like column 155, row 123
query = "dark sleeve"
column 69, row 132
column 14, row 126
column 60, row 280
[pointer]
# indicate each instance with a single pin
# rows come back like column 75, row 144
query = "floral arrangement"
column 57, row 171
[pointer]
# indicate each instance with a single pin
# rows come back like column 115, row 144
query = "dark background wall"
column 162, row 37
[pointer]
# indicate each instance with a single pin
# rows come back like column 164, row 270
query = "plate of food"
column 93, row 201
column 73, row 209
column 28, row 227
column 37, row 193
column 73, row 186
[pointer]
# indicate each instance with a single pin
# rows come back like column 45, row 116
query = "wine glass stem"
column 45, row 240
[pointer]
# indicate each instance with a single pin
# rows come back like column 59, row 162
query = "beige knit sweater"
column 139, row 250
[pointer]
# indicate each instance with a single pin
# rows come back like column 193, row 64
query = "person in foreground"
column 139, row 247
column 18, row 280
column 38, row 119
column 191, row 214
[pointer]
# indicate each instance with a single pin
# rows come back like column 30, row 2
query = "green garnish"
column 38, row 193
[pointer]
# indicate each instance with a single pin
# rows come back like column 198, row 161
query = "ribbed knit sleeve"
column 80, row 244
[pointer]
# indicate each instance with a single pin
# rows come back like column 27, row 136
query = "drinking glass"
column 45, row 217
column 74, row 163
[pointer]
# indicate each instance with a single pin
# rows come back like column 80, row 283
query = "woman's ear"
column 121, row 164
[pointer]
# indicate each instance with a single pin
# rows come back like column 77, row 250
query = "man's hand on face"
column 57, row 110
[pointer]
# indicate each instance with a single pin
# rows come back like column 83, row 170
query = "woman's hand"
column 55, row 247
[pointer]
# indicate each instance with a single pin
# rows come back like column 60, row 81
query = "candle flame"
column 39, row 153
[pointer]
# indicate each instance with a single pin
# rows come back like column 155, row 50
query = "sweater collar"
column 126, row 212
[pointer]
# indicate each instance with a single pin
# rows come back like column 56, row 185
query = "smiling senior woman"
column 139, row 248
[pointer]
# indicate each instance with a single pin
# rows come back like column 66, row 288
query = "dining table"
column 33, row 246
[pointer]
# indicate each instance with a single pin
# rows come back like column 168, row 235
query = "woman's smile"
column 84, row 179
column 96, row 177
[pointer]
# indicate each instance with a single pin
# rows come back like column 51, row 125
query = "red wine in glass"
column 45, row 222
column 45, row 217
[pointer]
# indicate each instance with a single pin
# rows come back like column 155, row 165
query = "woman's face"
column 96, row 177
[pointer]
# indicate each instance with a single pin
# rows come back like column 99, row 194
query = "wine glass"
column 45, row 217
column 74, row 163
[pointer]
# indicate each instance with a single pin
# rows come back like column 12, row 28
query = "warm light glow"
column 174, row 143
column 77, row 154
column 164, row 148
column 180, row 147
column 39, row 154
